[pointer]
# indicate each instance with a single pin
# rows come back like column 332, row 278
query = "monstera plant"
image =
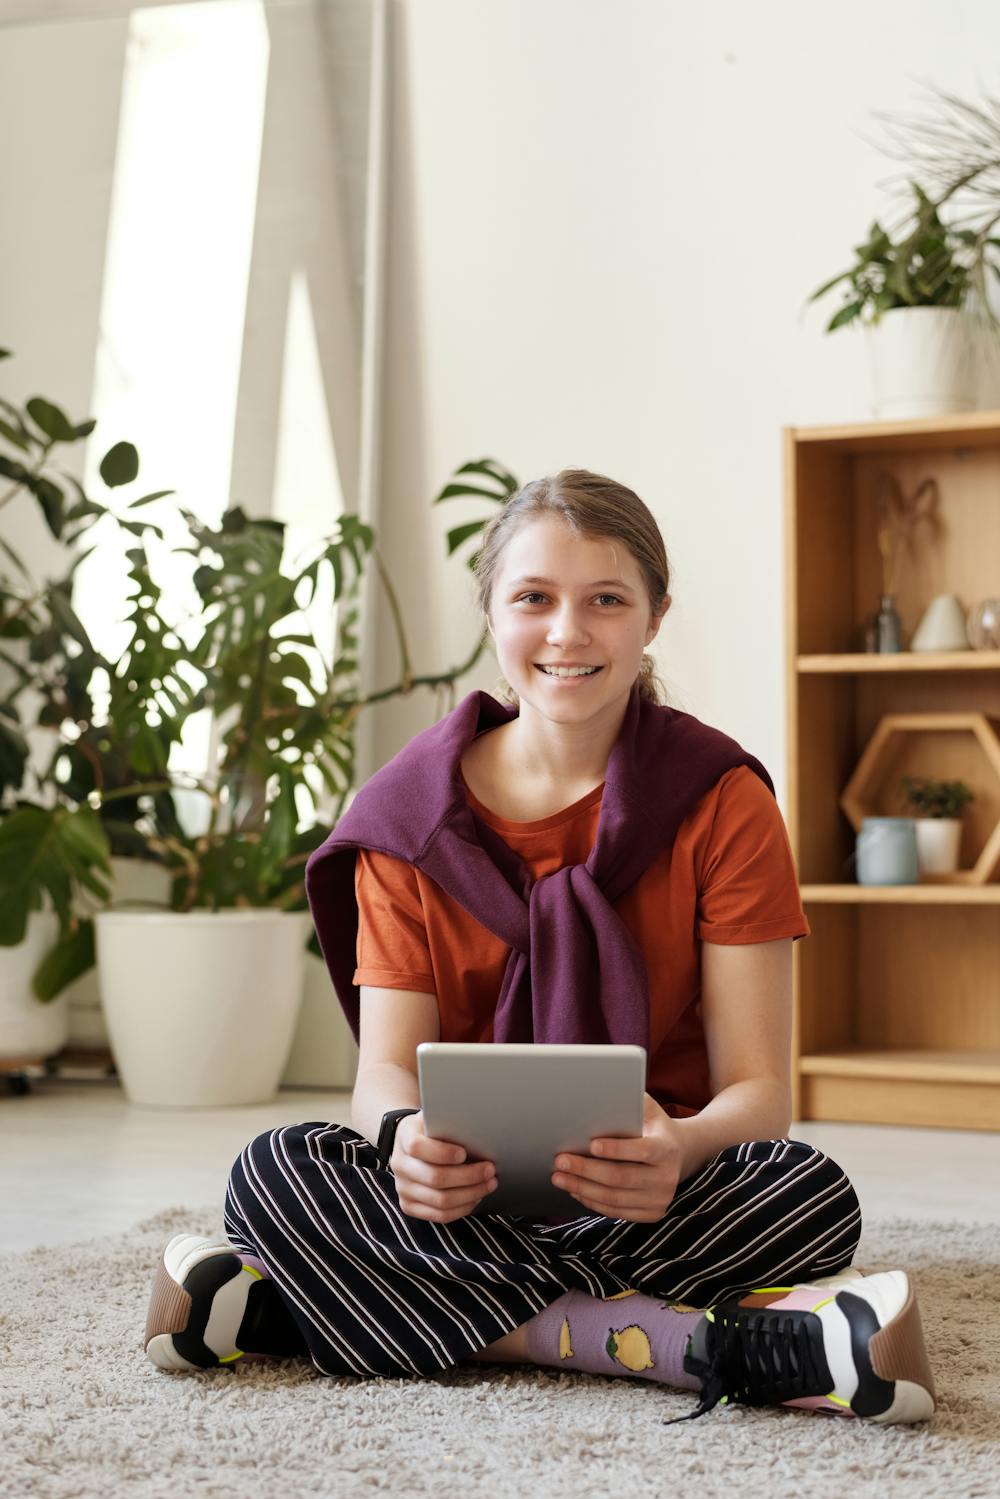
column 107, row 787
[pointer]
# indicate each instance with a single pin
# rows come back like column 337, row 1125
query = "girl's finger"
column 628, row 1178
column 636, row 1150
column 444, row 1199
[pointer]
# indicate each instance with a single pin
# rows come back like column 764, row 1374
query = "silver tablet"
column 519, row 1105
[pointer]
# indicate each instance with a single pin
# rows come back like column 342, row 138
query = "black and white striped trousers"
column 373, row 1291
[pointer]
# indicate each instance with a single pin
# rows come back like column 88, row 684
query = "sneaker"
column 201, row 1310
column 851, row 1345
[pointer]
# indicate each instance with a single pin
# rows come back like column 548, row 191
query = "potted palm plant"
column 938, row 823
column 910, row 291
column 222, row 968
column 201, row 995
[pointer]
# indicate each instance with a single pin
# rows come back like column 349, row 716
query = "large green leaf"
column 48, row 850
column 456, row 537
column 279, row 827
column 63, row 611
column 72, row 956
column 50, row 419
column 13, row 750
column 120, row 465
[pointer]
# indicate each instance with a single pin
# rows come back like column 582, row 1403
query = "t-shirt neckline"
column 537, row 825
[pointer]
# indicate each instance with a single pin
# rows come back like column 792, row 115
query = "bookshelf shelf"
column 897, row 992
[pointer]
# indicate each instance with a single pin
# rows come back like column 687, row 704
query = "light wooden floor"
column 76, row 1159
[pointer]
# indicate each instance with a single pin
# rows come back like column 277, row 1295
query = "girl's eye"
column 527, row 597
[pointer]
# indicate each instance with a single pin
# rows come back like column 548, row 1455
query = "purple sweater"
column 574, row 973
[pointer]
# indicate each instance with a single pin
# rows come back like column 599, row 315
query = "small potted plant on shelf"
column 938, row 823
column 910, row 291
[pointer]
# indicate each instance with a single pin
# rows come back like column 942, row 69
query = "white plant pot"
column 131, row 879
column 30, row 1027
column 922, row 362
column 201, row 1006
column 938, row 841
column 324, row 1052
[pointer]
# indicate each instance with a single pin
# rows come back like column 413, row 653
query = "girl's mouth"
column 570, row 677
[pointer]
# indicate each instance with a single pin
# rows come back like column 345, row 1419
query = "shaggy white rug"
column 84, row 1413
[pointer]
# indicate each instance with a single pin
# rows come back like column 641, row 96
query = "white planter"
column 938, row 841
column 922, row 362
column 324, row 1052
column 131, row 879
column 29, row 1027
column 201, row 1006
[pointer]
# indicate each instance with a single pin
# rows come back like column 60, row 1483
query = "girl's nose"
column 566, row 627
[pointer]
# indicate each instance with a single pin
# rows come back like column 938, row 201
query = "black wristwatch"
column 387, row 1134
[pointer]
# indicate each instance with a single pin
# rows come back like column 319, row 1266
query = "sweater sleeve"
column 748, row 888
column 392, row 950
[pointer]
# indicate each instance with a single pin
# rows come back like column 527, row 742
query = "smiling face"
column 560, row 599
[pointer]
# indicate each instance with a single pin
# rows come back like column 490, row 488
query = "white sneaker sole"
column 170, row 1304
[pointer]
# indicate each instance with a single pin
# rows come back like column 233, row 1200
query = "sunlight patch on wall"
column 174, row 294
column 308, row 495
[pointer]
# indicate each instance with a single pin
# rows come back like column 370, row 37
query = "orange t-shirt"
column 729, row 877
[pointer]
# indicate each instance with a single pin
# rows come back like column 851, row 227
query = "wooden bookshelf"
column 897, row 991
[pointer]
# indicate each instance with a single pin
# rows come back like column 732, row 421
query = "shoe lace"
column 758, row 1357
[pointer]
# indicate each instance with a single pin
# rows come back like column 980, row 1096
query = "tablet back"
column 519, row 1104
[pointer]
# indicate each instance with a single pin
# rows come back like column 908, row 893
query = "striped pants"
column 372, row 1291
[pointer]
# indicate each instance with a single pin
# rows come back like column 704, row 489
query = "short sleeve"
column 392, row 951
column 748, row 889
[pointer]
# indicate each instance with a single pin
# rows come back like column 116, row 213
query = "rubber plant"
column 251, row 662
column 53, row 840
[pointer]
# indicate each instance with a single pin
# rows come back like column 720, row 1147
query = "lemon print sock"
column 628, row 1333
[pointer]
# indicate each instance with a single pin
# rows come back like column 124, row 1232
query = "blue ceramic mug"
column 886, row 852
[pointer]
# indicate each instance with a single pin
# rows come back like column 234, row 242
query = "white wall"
column 606, row 216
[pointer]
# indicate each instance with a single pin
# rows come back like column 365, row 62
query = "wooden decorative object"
column 947, row 746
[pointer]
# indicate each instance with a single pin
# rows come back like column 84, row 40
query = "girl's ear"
column 656, row 620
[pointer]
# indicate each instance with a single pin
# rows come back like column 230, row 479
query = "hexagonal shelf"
column 947, row 746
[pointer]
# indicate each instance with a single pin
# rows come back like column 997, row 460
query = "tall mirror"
column 191, row 208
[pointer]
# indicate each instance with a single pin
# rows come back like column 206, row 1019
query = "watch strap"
column 387, row 1134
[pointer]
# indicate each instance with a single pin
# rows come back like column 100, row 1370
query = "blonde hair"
column 594, row 507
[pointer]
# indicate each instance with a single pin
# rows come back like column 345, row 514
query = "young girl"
column 580, row 863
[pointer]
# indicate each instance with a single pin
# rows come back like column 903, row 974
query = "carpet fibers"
column 84, row 1413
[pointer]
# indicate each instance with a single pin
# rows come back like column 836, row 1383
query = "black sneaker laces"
column 757, row 1356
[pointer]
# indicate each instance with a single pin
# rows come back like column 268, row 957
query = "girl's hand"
column 631, row 1179
column 433, row 1179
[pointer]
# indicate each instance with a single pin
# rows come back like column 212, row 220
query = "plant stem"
column 404, row 649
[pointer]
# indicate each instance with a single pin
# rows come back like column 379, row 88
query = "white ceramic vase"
column 201, row 1006
column 942, row 626
column 324, row 1053
column 131, row 879
column 29, row 1027
column 938, row 842
column 922, row 362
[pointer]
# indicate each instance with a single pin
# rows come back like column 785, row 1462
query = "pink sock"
column 630, row 1333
